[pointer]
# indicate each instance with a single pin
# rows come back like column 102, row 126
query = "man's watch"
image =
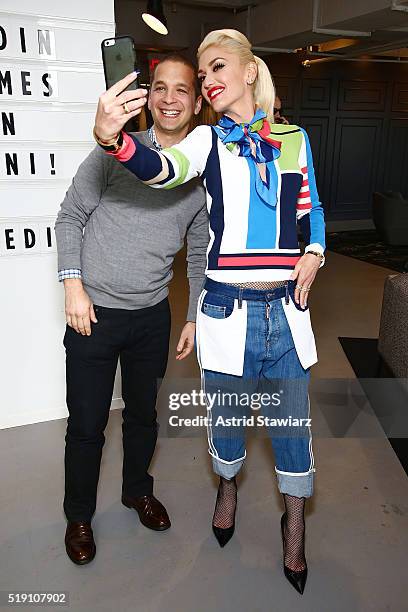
column 110, row 145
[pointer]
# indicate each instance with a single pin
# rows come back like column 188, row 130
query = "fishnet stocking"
column 294, row 532
column 226, row 503
column 259, row 284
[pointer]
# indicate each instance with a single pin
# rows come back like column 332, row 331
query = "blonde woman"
column 253, row 323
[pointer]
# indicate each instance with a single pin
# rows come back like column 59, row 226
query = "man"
column 116, row 241
column 277, row 112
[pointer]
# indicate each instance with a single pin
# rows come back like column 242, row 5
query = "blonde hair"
column 236, row 42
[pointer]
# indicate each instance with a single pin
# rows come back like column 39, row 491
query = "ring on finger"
column 126, row 108
column 299, row 286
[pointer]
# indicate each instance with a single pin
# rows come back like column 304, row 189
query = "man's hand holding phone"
column 116, row 107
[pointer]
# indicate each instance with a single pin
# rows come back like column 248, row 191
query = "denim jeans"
column 271, row 368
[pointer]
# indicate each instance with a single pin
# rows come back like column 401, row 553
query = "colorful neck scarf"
column 237, row 137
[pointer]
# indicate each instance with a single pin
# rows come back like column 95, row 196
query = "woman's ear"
column 252, row 72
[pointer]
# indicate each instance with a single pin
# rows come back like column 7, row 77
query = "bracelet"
column 319, row 255
column 315, row 253
column 112, row 145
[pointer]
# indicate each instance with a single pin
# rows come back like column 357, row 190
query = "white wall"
column 42, row 141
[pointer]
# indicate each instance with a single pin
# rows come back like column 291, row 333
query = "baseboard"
column 52, row 414
column 349, row 225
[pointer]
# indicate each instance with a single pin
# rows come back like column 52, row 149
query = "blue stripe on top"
column 317, row 226
column 291, row 183
column 146, row 163
column 213, row 184
column 261, row 216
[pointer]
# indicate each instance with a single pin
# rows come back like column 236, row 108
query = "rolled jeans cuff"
column 299, row 485
column 227, row 469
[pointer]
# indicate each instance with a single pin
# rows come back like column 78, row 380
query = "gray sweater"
column 123, row 235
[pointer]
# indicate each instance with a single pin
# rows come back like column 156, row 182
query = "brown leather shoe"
column 79, row 542
column 151, row 512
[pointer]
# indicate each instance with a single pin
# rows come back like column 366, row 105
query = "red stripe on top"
column 264, row 134
column 304, row 194
column 303, row 206
column 305, row 183
column 127, row 149
column 258, row 260
column 304, row 169
column 275, row 143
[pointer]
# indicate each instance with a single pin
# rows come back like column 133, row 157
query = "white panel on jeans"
column 302, row 333
column 221, row 342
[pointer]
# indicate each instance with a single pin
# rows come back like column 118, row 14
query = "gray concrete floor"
column 357, row 520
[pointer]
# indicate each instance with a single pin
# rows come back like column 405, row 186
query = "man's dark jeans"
column 140, row 339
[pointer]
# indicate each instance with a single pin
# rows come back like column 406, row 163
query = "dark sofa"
column 390, row 216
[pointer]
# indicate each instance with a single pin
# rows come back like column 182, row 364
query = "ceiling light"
column 154, row 16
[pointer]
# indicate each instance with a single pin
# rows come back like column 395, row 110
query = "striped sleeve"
column 309, row 209
column 169, row 167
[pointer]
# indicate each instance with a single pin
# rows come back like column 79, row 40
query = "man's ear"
column 198, row 104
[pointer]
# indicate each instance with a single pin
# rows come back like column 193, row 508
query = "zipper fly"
column 267, row 308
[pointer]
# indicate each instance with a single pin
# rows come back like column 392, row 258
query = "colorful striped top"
column 253, row 217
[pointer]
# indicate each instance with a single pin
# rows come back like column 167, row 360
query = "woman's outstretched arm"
column 165, row 169
column 169, row 167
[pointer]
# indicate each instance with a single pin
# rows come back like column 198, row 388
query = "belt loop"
column 240, row 297
column 287, row 292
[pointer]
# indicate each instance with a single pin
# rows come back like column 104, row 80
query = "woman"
column 253, row 323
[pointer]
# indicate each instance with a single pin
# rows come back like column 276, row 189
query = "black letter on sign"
column 9, row 239
column 48, row 85
column 25, row 83
column 8, row 124
column 52, row 160
column 3, row 39
column 44, row 42
column 5, row 81
column 11, row 163
column 22, row 40
column 29, row 238
column 32, row 163
column 49, row 241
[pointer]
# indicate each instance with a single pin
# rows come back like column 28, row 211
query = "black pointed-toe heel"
column 223, row 535
column 296, row 579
